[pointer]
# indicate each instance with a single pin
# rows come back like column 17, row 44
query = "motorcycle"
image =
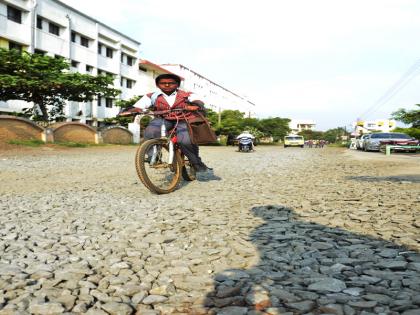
column 245, row 145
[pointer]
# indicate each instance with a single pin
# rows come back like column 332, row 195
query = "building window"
column 99, row 101
column 126, row 59
column 39, row 22
column 130, row 60
column 73, row 37
column 15, row 46
column 14, row 14
column 109, row 52
column 122, row 81
column 54, row 29
column 89, row 69
column 40, row 52
column 74, row 64
column 84, row 41
column 142, row 69
column 130, row 84
column 108, row 102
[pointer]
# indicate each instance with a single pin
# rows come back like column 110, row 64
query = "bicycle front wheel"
column 154, row 169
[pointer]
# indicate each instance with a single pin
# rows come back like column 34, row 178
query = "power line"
column 394, row 89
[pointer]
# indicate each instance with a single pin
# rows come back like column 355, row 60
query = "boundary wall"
column 18, row 128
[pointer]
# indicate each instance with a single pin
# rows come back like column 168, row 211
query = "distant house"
column 298, row 125
column 384, row 125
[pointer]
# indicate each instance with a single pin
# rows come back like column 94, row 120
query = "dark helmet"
column 172, row 76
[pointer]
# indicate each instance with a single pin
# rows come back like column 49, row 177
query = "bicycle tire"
column 188, row 171
column 159, row 178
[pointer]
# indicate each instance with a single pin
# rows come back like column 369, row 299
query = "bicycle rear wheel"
column 154, row 169
column 188, row 171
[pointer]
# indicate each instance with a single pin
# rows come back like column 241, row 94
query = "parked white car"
column 375, row 140
column 360, row 142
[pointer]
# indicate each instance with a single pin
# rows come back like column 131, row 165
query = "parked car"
column 294, row 141
column 374, row 141
column 360, row 142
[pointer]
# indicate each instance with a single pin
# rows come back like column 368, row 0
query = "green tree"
column 255, row 132
column 231, row 122
column 411, row 117
column 47, row 82
column 311, row 134
column 250, row 123
column 125, row 104
column 213, row 117
column 334, row 135
column 276, row 127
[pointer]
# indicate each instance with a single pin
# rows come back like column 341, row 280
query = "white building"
column 53, row 28
column 383, row 125
column 212, row 94
column 297, row 125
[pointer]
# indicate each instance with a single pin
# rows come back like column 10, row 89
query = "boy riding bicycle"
column 169, row 97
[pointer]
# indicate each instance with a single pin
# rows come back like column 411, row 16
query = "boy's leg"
column 152, row 131
column 188, row 148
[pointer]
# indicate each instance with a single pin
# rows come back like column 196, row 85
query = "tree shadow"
column 396, row 178
column 308, row 268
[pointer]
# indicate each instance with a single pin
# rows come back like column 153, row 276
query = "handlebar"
column 155, row 112
column 168, row 111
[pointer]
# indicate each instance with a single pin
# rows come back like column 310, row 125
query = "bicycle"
column 160, row 162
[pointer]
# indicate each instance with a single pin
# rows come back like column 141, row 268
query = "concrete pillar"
column 135, row 130
column 48, row 135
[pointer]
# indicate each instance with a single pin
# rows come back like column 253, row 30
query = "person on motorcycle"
column 245, row 137
column 169, row 96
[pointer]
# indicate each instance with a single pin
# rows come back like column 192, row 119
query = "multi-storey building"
column 214, row 95
column 53, row 28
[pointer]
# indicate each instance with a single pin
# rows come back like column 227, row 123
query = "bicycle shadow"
column 306, row 267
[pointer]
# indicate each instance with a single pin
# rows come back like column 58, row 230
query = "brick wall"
column 117, row 135
column 74, row 132
column 16, row 128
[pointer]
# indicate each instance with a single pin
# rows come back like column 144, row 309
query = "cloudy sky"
column 332, row 61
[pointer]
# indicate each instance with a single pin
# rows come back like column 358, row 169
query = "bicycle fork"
column 155, row 151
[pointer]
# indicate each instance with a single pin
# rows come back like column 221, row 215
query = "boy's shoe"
column 201, row 167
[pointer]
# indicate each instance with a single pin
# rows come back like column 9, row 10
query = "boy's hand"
column 192, row 108
column 124, row 114
column 130, row 112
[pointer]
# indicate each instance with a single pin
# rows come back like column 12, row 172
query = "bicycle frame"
column 171, row 138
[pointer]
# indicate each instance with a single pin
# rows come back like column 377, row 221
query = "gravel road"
column 277, row 231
